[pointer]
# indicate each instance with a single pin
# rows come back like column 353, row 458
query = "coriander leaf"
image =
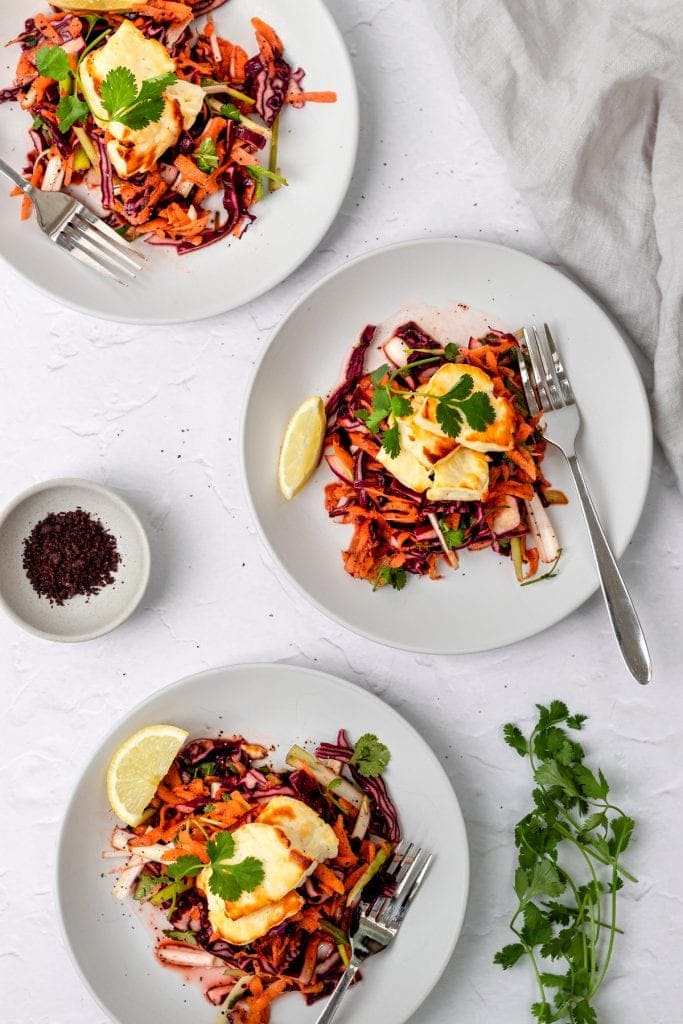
column 221, row 847
column 153, row 88
column 478, row 410
column 53, row 62
column 370, row 756
column 230, row 111
column 584, row 1013
column 38, row 123
column 537, row 929
column 594, row 821
column 189, row 937
column 400, row 405
column 184, row 867
column 552, row 774
column 229, row 881
column 118, row 91
column 391, row 441
column 622, row 830
column 145, row 887
column 206, row 156
column 545, row 881
column 453, row 538
column 576, row 721
column 142, row 114
column 451, row 352
column 69, row 110
column 378, row 375
column 521, row 883
column 509, row 955
column 557, row 712
column 449, row 418
column 394, row 577
column 515, row 738
column 542, row 1012
column 461, row 390
column 589, row 785
column 257, row 172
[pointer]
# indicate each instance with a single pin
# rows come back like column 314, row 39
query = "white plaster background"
column 154, row 412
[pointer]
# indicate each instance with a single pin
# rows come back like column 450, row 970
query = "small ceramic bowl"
column 82, row 617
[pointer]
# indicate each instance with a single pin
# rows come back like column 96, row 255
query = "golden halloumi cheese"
column 461, row 476
column 135, row 151
column 305, row 829
column 427, row 447
column 499, row 436
column 285, row 867
column 407, row 469
column 252, row 926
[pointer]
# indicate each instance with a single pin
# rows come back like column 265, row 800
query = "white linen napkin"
column 584, row 100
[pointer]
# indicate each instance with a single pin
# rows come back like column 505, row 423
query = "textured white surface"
column 154, row 412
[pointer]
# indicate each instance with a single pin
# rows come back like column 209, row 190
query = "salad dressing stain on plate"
column 316, row 154
column 276, row 707
column 441, row 284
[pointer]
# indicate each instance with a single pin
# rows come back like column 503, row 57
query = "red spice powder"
column 69, row 553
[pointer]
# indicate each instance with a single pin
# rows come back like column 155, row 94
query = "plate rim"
column 277, row 277
column 397, row 644
column 145, row 567
column 325, row 678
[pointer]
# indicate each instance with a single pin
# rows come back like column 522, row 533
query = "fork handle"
column 625, row 624
column 20, row 182
column 339, row 992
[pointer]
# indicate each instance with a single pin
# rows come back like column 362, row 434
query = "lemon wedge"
column 97, row 5
column 302, row 446
column 137, row 768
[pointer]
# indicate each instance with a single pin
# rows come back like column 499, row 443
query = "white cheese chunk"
column 498, row 436
column 461, row 476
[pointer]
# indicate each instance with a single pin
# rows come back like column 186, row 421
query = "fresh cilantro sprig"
column 119, row 93
column 396, row 578
column 453, row 538
column 230, row 880
column 125, row 103
column 370, row 756
column 206, row 156
column 561, row 918
column 459, row 405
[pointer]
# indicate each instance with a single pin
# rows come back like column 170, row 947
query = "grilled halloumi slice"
column 461, row 476
column 427, row 447
column 285, row 867
column 407, row 469
column 305, row 829
column 252, row 926
column 499, row 436
column 134, row 151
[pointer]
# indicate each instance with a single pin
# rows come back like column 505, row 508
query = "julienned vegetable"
column 187, row 861
column 565, row 918
column 192, row 191
column 436, row 452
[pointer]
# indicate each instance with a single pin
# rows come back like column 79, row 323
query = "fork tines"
column 544, row 379
column 96, row 244
column 410, row 866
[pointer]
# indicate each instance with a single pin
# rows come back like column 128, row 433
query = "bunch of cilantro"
column 565, row 925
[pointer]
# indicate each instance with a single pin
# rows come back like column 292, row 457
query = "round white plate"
column 279, row 705
column 317, row 153
column 81, row 617
column 481, row 606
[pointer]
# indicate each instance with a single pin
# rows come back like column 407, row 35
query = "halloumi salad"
column 254, row 874
column 435, row 452
column 172, row 127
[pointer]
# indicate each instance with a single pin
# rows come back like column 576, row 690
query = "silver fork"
column 380, row 922
column 547, row 388
column 79, row 231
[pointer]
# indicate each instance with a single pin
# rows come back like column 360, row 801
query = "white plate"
column 80, row 618
column 481, row 606
column 278, row 704
column 317, row 153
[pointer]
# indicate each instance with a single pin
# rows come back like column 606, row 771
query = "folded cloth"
column 584, row 100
